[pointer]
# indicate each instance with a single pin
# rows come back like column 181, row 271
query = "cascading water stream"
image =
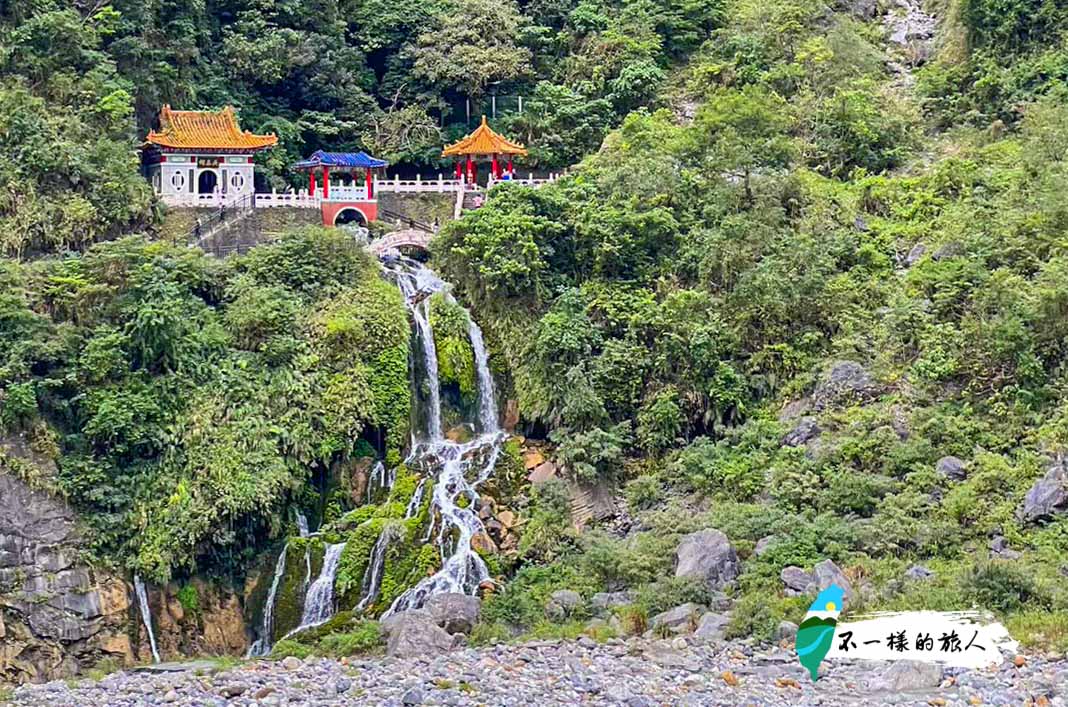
column 457, row 467
column 146, row 615
column 319, row 600
column 372, row 576
column 262, row 645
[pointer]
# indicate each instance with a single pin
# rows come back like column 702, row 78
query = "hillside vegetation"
column 802, row 284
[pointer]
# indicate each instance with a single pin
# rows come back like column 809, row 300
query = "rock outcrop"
column 707, row 555
column 1049, row 496
column 58, row 615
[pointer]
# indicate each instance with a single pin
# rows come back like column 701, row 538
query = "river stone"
column 1049, row 496
column 682, row 618
column 413, row 634
column 291, row 663
column 844, row 382
column 711, row 627
column 950, row 468
column 456, row 613
column 707, row 555
column 805, row 430
column 906, row 675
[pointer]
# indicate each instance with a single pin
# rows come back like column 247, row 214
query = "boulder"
column 763, row 545
column 562, row 603
column 797, row 580
column 606, row 601
column 828, row 573
column 786, row 631
column 999, row 549
column 532, row 458
column 456, row 613
column 919, row 573
column 707, row 555
column 682, row 619
column 711, row 627
column 951, row 468
column 412, row 634
column 844, row 382
column 542, row 472
column 1049, row 496
column 910, row 675
column 915, row 254
column 806, row 428
column 795, row 409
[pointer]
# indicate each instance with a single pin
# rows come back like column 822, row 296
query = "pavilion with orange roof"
column 201, row 156
column 481, row 144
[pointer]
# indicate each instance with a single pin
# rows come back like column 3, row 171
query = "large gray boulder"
column 707, row 555
column 411, row 634
column 1049, row 496
column 456, row 613
column 606, row 601
column 681, row 619
column 844, row 382
column 562, row 603
column 797, row 581
column 951, row 468
column 828, row 573
column 711, row 627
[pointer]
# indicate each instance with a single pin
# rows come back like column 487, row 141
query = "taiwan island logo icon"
column 815, row 635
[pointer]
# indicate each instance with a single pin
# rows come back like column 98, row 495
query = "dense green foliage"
column 191, row 400
column 660, row 306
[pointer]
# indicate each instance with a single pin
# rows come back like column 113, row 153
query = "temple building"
column 483, row 144
column 201, row 158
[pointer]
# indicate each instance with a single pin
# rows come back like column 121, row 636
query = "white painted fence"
column 300, row 200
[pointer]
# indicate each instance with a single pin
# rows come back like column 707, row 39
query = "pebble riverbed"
column 635, row 673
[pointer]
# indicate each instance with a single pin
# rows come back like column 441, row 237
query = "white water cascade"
column 372, row 576
column 146, row 615
column 262, row 645
column 457, row 467
column 319, row 601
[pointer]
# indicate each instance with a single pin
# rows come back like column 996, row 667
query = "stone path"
column 635, row 673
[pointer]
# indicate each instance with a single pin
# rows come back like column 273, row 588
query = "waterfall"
column 262, row 645
column 319, row 601
column 416, row 501
column 146, row 615
column 487, row 404
column 417, row 284
column 456, row 468
column 372, row 576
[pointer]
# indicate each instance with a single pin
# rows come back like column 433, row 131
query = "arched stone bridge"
column 407, row 238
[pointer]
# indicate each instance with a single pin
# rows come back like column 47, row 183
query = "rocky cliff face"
column 59, row 616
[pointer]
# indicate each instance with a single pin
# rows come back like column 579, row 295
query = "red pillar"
column 496, row 167
column 470, row 170
column 311, row 182
column 326, row 182
column 510, row 169
column 370, row 184
column 459, row 171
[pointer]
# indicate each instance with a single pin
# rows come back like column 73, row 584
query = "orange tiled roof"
column 180, row 129
column 483, row 141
